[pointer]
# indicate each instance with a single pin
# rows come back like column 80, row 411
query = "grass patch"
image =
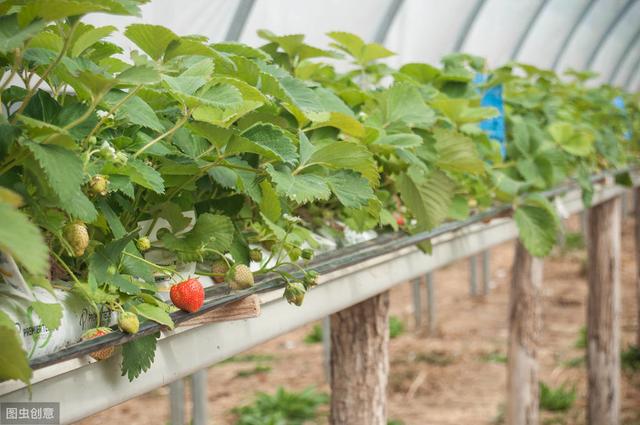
column 558, row 399
column 438, row 358
column 573, row 241
column 255, row 371
column 581, row 342
column 246, row 358
column 283, row 407
column 575, row 362
column 315, row 336
column 396, row 327
column 494, row 357
column 630, row 359
column 394, row 422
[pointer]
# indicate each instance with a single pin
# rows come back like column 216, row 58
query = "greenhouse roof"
column 597, row 35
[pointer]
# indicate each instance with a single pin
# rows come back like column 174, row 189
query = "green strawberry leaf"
column 23, row 240
column 13, row 359
column 538, row 225
column 138, row 355
column 154, row 313
column 50, row 314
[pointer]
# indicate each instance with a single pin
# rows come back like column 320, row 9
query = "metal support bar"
column 176, row 401
column 468, row 24
column 417, row 302
column 614, row 23
column 431, row 303
column 623, row 56
column 326, row 348
column 572, row 32
column 199, row 397
column 486, row 272
column 387, row 20
column 240, row 18
column 473, row 275
column 532, row 21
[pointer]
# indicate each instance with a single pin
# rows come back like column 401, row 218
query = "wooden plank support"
column 360, row 363
column 603, row 314
column 525, row 322
column 244, row 309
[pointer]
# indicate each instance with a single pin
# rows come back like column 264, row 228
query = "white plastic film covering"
column 426, row 30
column 549, row 32
column 314, row 19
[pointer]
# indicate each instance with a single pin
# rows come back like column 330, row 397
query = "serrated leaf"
column 13, row 359
column 457, row 152
column 154, row 313
column 64, row 173
column 152, row 39
column 134, row 110
column 140, row 75
column 209, row 232
column 271, row 141
column 270, row 203
column 50, row 314
column 402, row 104
column 429, row 199
column 138, row 355
column 578, row 143
column 351, row 189
column 90, row 37
column 347, row 155
column 23, row 240
column 301, row 188
column 538, row 225
column 460, row 112
column 13, row 36
column 139, row 173
column 391, row 142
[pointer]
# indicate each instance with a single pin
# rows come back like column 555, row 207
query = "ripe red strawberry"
column 399, row 219
column 77, row 235
column 188, row 295
column 103, row 353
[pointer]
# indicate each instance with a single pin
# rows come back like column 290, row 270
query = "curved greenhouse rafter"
column 607, row 33
column 532, row 22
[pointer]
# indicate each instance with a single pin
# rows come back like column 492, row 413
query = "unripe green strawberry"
column 294, row 253
column 187, row 295
column 294, row 293
column 239, row 277
column 307, row 254
column 310, row 279
column 99, row 185
column 220, row 268
column 103, row 353
column 143, row 244
column 255, row 255
column 77, row 236
column 128, row 322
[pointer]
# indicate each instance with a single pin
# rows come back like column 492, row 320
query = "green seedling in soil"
column 559, row 399
column 255, row 371
column 283, row 407
column 396, row 327
column 315, row 336
column 246, row 358
column 494, row 357
column 630, row 359
column 438, row 358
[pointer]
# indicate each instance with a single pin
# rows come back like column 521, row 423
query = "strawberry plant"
column 190, row 159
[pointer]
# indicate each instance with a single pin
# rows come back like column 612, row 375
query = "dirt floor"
column 455, row 377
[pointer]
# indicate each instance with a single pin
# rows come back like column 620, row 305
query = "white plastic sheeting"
column 606, row 36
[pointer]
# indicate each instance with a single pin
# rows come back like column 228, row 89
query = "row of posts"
column 355, row 340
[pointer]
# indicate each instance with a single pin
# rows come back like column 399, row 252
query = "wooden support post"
column 360, row 363
column 603, row 314
column 636, row 213
column 524, row 332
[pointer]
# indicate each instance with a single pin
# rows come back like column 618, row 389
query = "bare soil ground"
column 455, row 377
